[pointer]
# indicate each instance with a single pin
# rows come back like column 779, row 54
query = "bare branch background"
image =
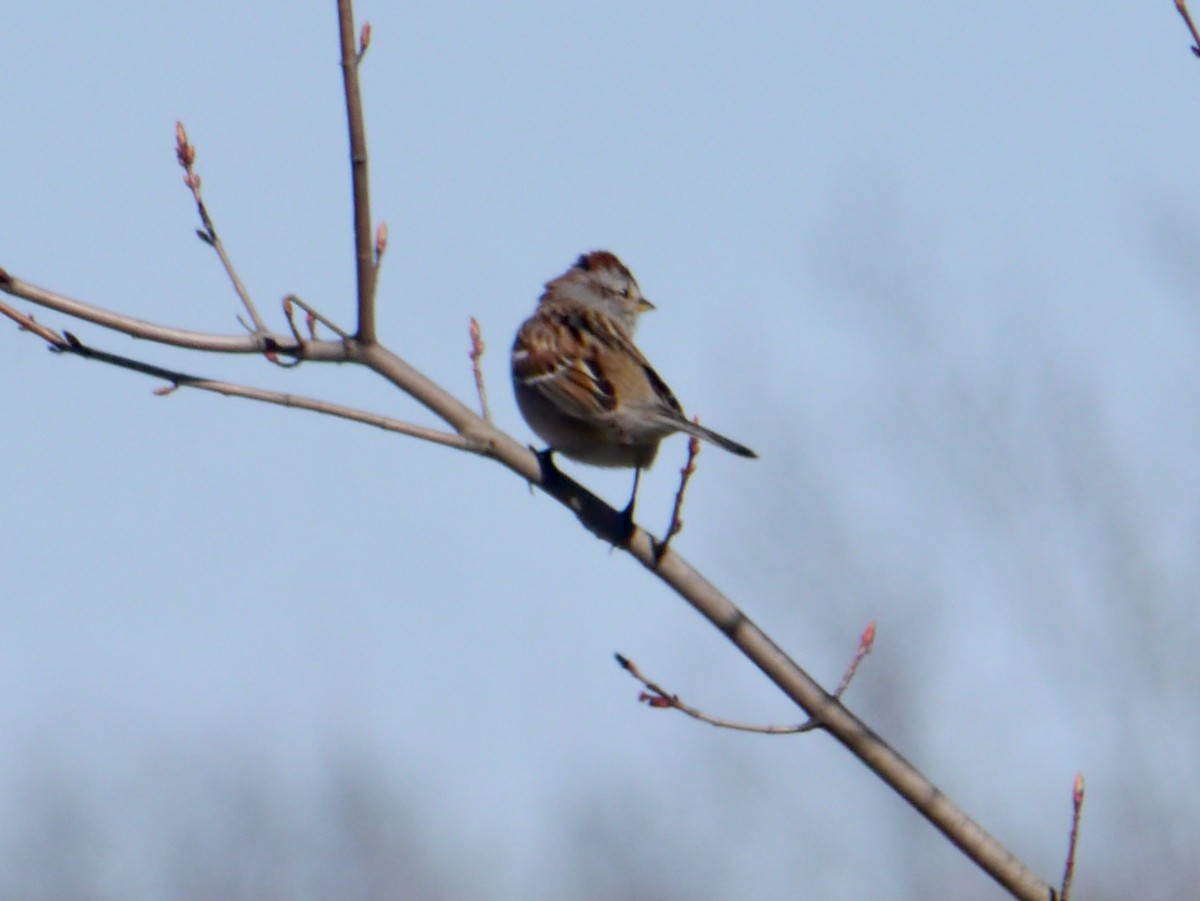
column 983, row 447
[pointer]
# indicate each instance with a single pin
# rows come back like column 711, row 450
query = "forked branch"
column 470, row 431
column 67, row 343
column 657, row 696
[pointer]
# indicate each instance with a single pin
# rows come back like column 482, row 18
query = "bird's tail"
column 719, row 440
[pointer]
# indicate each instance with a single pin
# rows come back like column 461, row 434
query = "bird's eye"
column 625, row 292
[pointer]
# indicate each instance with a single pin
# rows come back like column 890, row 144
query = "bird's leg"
column 626, row 520
column 623, row 530
column 550, row 472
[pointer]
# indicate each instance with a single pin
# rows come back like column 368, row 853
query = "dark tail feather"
column 719, row 440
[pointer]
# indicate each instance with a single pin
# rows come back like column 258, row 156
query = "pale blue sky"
column 936, row 264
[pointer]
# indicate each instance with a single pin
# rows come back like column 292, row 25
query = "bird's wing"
column 586, row 364
column 551, row 355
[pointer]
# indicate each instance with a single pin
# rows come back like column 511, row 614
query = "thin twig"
column 1181, row 5
column 476, row 353
column 314, row 316
column 865, row 642
column 364, row 41
column 1076, row 813
column 675, row 526
column 657, row 696
column 185, row 152
column 363, row 250
column 290, row 318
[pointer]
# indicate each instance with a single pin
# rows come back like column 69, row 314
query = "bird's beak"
column 644, row 306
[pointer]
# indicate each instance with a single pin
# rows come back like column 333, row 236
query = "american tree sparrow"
column 583, row 386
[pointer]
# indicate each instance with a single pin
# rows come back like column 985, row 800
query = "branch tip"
column 675, row 526
column 475, row 354
column 381, row 238
column 364, row 40
column 185, row 152
column 1064, row 893
column 26, row 323
column 867, row 639
column 865, row 642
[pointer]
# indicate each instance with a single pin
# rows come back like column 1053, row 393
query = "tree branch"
column 1181, row 6
column 675, row 526
column 185, row 153
column 596, row 515
column 476, row 355
column 365, row 259
column 658, row 697
column 1073, row 843
column 327, row 351
column 68, row 344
